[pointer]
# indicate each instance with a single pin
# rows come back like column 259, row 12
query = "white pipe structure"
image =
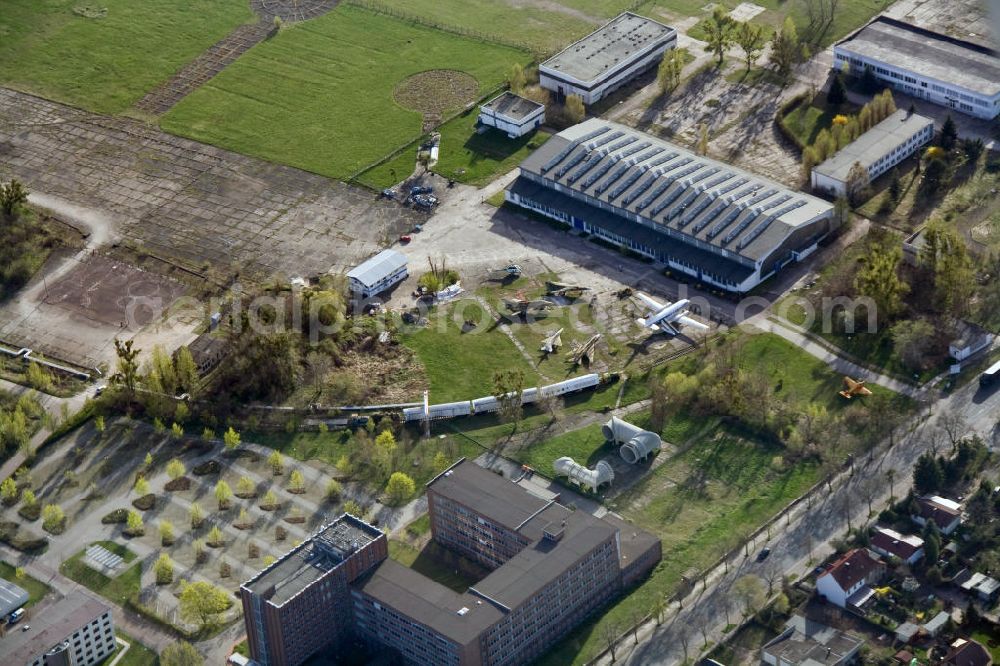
column 592, row 478
column 636, row 444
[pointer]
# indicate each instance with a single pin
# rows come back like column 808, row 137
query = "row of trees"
column 722, row 32
column 843, row 131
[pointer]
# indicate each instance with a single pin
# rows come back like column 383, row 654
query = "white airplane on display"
column 667, row 316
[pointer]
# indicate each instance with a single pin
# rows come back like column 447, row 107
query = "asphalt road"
column 805, row 537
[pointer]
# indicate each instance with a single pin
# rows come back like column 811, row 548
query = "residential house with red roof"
column 849, row 580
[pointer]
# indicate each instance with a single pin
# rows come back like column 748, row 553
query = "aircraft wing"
column 650, row 302
column 687, row 321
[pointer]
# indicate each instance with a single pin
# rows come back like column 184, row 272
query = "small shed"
column 936, row 624
column 969, row 339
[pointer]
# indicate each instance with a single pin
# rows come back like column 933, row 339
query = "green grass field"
column 474, row 158
column 137, row 655
column 460, row 366
column 850, row 14
column 546, row 29
column 700, row 502
column 107, row 63
column 319, row 96
column 119, row 589
column 36, row 589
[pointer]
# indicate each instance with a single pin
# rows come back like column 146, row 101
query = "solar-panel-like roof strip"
column 724, row 222
column 579, row 157
column 720, row 205
column 573, row 144
column 692, row 212
column 688, row 196
column 762, row 227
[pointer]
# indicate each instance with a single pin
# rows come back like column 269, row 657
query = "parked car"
column 420, row 189
column 425, row 200
column 389, row 193
column 405, row 238
column 762, row 555
column 16, row 615
column 417, row 228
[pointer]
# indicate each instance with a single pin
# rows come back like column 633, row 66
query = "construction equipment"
column 509, row 272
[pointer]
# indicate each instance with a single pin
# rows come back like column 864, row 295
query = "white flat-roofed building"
column 512, row 114
column 76, row 631
column 951, row 72
column 712, row 221
column 377, row 274
column 607, row 58
column 877, row 150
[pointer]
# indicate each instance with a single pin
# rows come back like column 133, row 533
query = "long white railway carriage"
column 488, row 404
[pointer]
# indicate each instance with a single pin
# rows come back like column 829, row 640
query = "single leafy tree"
column 385, row 450
column 176, row 431
column 185, row 369
column 269, row 560
column 208, row 434
column 223, row 494
column 181, row 653
column 837, row 94
column 786, row 49
column 296, row 482
column 516, row 78
column 28, row 497
column 750, row 38
column 133, row 524
column 353, row 508
column 333, row 490
column 244, row 518
column 215, row 537
column 245, row 486
column 8, row 490
column 164, row 569
column 175, row 469
column 277, row 463
column 574, row 108
column 718, row 33
column 270, row 500
column 197, row 515
column 230, row 438
column 202, row 602
column 141, row 486
column 400, row 487
column 128, row 367
column 53, row 518
column 12, row 195
column 148, row 460
column 949, row 134
column 166, row 532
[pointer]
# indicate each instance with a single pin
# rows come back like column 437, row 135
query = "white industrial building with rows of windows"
column 715, row 222
column 925, row 64
column 607, row 58
column 877, row 150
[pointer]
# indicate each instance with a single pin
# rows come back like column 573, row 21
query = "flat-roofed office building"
column 877, row 150
column 302, row 602
column 607, row 58
column 951, row 72
column 75, row 631
column 550, row 567
column 714, row 222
